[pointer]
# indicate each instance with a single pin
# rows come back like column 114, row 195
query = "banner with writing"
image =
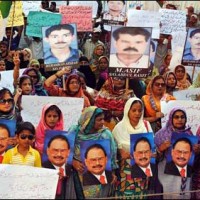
column 172, row 21
column 192, row 109
column 15, row 17
column 80, row 15
column 190, row 94
column 70, row 107
column 36, row 20
column 93, row 4
column 27, row 182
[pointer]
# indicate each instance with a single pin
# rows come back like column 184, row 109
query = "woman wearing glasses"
column 155, row 92
column 7, row 106
column 177, row 122
column 112, row 98
column 23, row 153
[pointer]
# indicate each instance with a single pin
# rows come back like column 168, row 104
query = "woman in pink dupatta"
column 51, row 119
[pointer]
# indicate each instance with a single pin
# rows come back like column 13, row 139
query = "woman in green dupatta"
column 90, row 127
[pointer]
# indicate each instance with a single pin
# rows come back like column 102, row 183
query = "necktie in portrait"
column 102, row 180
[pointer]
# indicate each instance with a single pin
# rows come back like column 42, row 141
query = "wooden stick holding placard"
column 127, row 84
column 12, row 26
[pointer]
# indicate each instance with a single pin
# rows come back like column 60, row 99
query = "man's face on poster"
column 58, row 152
column 130, row 45
column 96, row 161
column 142, row 154
column 4, row 135
column 195, row 41
column 181, row 153
column 60, row 39
column 116, row 6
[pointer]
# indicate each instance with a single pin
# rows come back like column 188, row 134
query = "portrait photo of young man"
column 60, row 44
column 191, row 53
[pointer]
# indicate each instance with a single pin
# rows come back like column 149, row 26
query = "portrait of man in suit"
column 95, row 161
column 181, row 154
column 58, row 150
column 142, row 156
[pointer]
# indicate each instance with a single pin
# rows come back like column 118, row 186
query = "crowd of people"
column 114, row 108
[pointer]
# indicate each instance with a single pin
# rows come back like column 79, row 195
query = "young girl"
column 23, row 153
column 51, row 119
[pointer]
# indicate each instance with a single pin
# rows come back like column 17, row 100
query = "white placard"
column 27, row 182
column 70, row 107
column 7, row 79
column 172, row 21
column 145, row 18
column 190, row 94
column 31, row 6
column 192, row 110
column 178, row 40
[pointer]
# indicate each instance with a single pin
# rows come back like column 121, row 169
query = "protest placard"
column 31, row 6
column 70, row 107
column 93, row 4
column 7, row 79
column 145, row 18
column 190, row 94
column 15, row 17
column 172, row 21
column 36, row 20
column 27, row 182
column 80, row 15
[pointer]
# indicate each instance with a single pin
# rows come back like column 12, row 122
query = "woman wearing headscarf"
column 176, row 123
column 103, row 64
column 181, row 76
column 72, row 87
column 171, row 82
column 132, row 123
column 84, row 67
column 51, row 119
column 155, row 92
column 90, row 127
column 99, row 51
column 112, row 98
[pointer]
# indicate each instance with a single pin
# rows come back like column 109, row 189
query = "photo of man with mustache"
column 142, row 156
column 59, row 38
column 132, row 46
column 58, row 150
column 4, row 140
column 181, row 154
column 95, row 161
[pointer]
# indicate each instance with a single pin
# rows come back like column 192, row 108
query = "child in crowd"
column 23, row 153
column 51, row 119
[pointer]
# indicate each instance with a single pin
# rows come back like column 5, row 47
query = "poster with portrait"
column 7, row 129
column 129, row 52
column 114, row 13
column 60, row 46
column 180, row 157
column 191, row 53
column 141, row 150
column 52, row 139
column 96, row 155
